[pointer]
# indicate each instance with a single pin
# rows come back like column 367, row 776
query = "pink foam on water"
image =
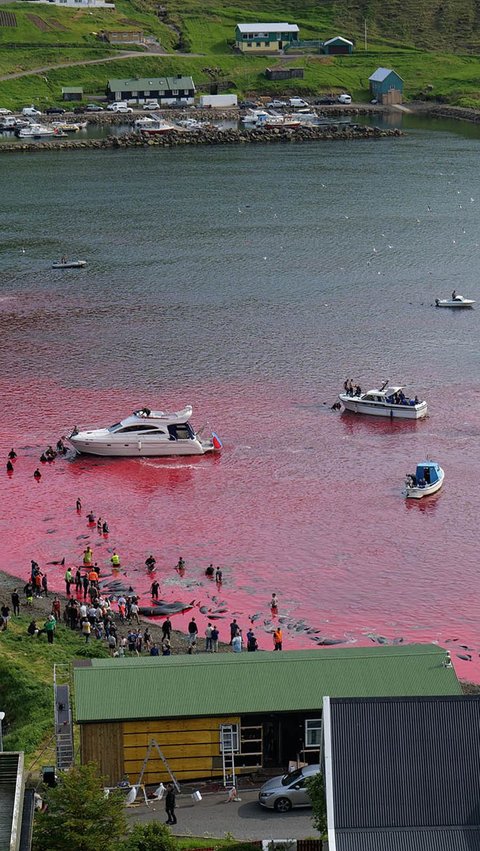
column 301, row 501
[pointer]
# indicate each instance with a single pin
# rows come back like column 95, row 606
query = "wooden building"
column 386, row 86
column 273, row 701
column 284, row 73
column 165, row 89
column 337, row 46
column 265, row 38
column 72, row 93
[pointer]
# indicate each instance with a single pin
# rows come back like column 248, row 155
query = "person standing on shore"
column 237, row 642
column 233, row 629
column 45, row 584
column 166, row 629
column 170, row 804
column 208, row 638
column 15, row 602
column 277, row 639
column 192, row 632
column 214, row 639
column 68, row 581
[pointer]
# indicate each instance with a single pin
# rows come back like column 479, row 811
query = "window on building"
column 313, row 732
column 259, row 43
column 175, row 92
column 225, row 737
column 146, row 94
column 134, row 94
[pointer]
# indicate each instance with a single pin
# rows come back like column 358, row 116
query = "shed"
column 402, row 774
column 265, row 38
column 386, row 86
column 72, row 93
column 337, row 46
column 272, row 700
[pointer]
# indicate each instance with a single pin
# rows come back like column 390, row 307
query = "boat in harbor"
column 146, row 433
column 37, row 131
column 388, row 401
column 285, row 122
column 68, row 264
column 456, row 301
column 257, row 117
column 70, row 126
column 427, row 479
column 153, row 126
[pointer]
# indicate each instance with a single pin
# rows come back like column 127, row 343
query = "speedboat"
column 455, row 301
column 69, row 264
column 153, row 126
column 388, row 401
column 427, row 479
column 146, row 432
column 36, row 131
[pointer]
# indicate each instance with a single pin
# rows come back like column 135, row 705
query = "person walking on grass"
column 15, row 602
column 49, row 628
column 170, row 804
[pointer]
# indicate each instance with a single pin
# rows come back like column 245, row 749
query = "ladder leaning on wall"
column 228, row 754
column 151, row 745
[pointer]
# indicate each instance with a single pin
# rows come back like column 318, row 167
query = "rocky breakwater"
column 214, row 136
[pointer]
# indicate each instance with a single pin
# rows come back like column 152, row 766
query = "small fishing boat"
column 456, row 301
column 388, row 401
column 146, row 433
column 154, row 126
column 36, row 131
column 68, row 264
column 427, row 479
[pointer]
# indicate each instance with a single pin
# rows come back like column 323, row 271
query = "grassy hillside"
column 430, row 43
column 26, row 681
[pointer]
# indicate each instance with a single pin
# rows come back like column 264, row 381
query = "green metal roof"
column 72, row 90
column 146, row 84
column 241, row 683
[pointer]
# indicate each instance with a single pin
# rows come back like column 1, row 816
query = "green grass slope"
column 26, row 681
column 431, row 43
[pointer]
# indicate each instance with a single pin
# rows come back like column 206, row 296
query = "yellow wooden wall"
column 103, row 744
column 190, row 745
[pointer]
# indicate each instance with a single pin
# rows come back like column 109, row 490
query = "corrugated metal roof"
column 72, row 90
column 380, row 74
column 143, row 84
column 406, row 764
column 338, row 38
column 263, row 28
column 431, row 839
column 173, row 686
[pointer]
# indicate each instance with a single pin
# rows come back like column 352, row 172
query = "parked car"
column 4, row 111
column 326, row 99
column 287, row 791
column 119, row 107
column 297, row 102
column 248, row 104
column 30, row 111
column 93, row 107
column 150, row 104
column 344, row 98
column 55, row 110
column 276, row 104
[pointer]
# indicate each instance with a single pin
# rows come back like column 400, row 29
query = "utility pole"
column 365, row 32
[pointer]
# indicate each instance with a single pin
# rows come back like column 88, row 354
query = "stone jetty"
column 212, row 136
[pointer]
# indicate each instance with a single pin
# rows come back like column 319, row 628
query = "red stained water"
column 314, row 513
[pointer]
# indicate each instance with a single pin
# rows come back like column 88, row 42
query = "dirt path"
column 121, row 55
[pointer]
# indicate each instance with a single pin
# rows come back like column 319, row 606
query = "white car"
column 4, row 111
column 276, row 104
column 344, row 98
column 151, row 104
column 30, row 111
column 119, row 107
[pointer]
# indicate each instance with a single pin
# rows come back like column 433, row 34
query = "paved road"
column 244, row 819
column 120, row 55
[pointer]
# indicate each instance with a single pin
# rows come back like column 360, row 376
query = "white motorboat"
column 36, row 131
column 285, row 122
column 456, row 301
column 146, row 433
column 388, row 401
column 257, row 117
column 153, row 126
column 69, row 126
column 68, row 264
column 427, row 479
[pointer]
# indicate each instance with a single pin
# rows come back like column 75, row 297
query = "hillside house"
column 386, row 86
column 337, row 46
column 271, row 701
column 265, row 38
column 165, row 89
column 402, row 773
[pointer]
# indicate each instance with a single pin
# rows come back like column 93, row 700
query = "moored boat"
column 154, row 126
column 36, row 131
column 146, row 433
column 427, row 479
column 388, row 401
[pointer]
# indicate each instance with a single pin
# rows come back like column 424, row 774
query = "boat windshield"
column 114, row 426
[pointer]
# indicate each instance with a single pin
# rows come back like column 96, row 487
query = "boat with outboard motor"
column 456, row 301
column 427, row 479
column 146, row 433
column 388, row 401
column 68, row 264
